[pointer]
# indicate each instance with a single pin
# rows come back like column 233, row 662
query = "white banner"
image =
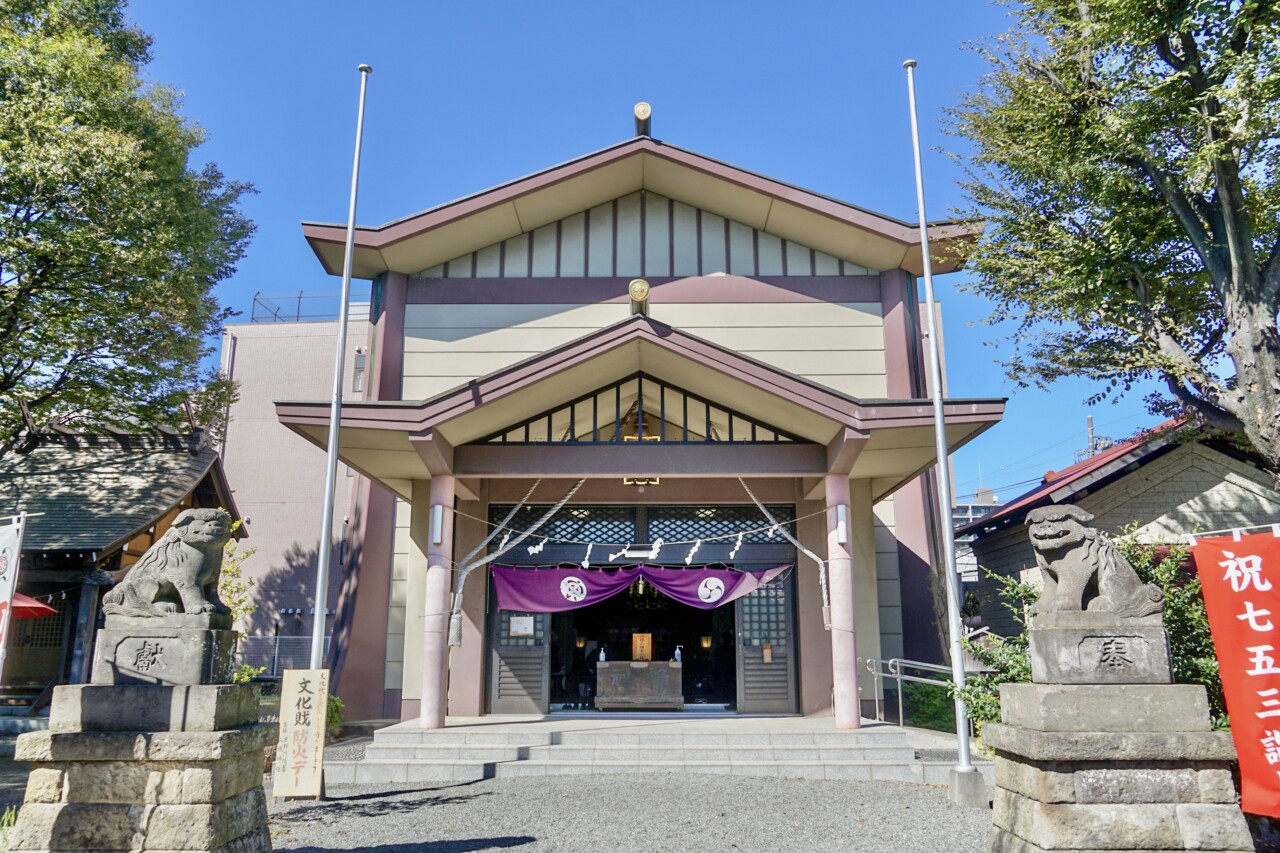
column 10, row 555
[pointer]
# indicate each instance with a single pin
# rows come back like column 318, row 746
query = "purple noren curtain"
column 569, row 588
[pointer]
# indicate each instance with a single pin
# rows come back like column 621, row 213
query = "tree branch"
column 1191, row 224
column 1202, row 408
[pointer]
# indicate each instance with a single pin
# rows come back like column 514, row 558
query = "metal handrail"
column 892, row 668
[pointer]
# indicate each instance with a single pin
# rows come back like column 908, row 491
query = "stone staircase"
column 403, row 754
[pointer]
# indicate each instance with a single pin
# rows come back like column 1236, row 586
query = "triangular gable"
column 644, row 233
column 492, row 216
column 640, row 408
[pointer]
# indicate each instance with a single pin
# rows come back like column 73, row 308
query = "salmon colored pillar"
column 844, row 648
column 435, row 623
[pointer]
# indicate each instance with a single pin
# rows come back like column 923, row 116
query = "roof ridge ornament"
column 638, row 290
column 644, row 116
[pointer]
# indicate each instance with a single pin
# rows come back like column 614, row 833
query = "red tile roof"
column 1055, row 480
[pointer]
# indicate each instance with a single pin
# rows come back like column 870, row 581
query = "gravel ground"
column 634, row 814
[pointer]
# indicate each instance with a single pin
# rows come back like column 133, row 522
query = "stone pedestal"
column 146, row 767
column 1111, row 767
column 1085, row 647
column 181, row 648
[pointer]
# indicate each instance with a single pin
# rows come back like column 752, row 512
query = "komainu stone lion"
column 1079, row 563
column 179, row 573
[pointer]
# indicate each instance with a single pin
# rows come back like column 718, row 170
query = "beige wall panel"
column 394, row 675
column 713, row 257
column 644, row 217
column 528, row 339
column 516, row 257
column 436, row 320
column 657, row 235
column 684, row 247
column 488, row 262
column 600, row 235
column 770, row 254
column 544, row 251
column 742, row 250
column 396, row 610
column 628, row 236
column 862, row 548
column 822, row 362
column 573, row 246
column 798, row 259
column 839, row 345
column 464, row 364
column 814, row 639
column 415, row 592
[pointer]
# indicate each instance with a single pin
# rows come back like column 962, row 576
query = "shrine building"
column 715, row 379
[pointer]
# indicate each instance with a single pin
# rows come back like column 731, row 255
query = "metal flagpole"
column 963, row 762
column 320, row 619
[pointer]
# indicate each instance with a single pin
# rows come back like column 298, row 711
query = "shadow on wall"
column 285, row 587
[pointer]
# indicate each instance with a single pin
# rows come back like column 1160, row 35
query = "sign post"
column 304, row 709
column 10, row 556
column 1240, row 578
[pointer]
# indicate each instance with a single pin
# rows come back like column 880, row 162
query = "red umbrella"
column 26, row 607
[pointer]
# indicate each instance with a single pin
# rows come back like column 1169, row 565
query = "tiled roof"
column 1060, row 486
column 94, row 492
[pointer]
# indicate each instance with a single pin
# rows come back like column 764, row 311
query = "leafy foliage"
column 333, row 716
column 1185, row 618
column 236, row 591
column 928, row 707
column 110, row 241
column 1124, row 160
column 7, row 822
column 1007, row 657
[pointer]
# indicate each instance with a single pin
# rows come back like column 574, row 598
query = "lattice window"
column 685, row 523
column 613, row 524
column 765, row 615
column 640, row 408
column 45, row 632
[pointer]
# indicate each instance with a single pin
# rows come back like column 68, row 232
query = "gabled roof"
column 841, row 409
column 378, row 437
column 436, row 235
column 93, row 493
column 1063, row 486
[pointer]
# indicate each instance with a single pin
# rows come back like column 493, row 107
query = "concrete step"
column 723, row 752
column 612, row 738
column 895, row 771
column 391, row 772
column 711, row 754
column 396, row 772
column 463, row 738
column 455, row 752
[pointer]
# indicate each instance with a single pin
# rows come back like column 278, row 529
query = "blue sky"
column 466, row 95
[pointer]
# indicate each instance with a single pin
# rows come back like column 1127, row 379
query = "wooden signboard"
column 642, row 647
column 304, row 705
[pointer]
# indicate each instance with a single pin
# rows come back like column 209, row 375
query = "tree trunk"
column 1254, row 347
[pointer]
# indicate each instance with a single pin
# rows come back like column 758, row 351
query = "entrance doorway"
column 537, row 666
column 705, row 639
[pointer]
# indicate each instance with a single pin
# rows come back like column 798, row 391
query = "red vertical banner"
column 1241, row 582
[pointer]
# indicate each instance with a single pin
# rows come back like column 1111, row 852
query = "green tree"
column 1124, row 158
column 110, row 241
column 1185, row 619
column 236, row 591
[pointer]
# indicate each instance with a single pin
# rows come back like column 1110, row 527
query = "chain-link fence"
column 276, row 654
